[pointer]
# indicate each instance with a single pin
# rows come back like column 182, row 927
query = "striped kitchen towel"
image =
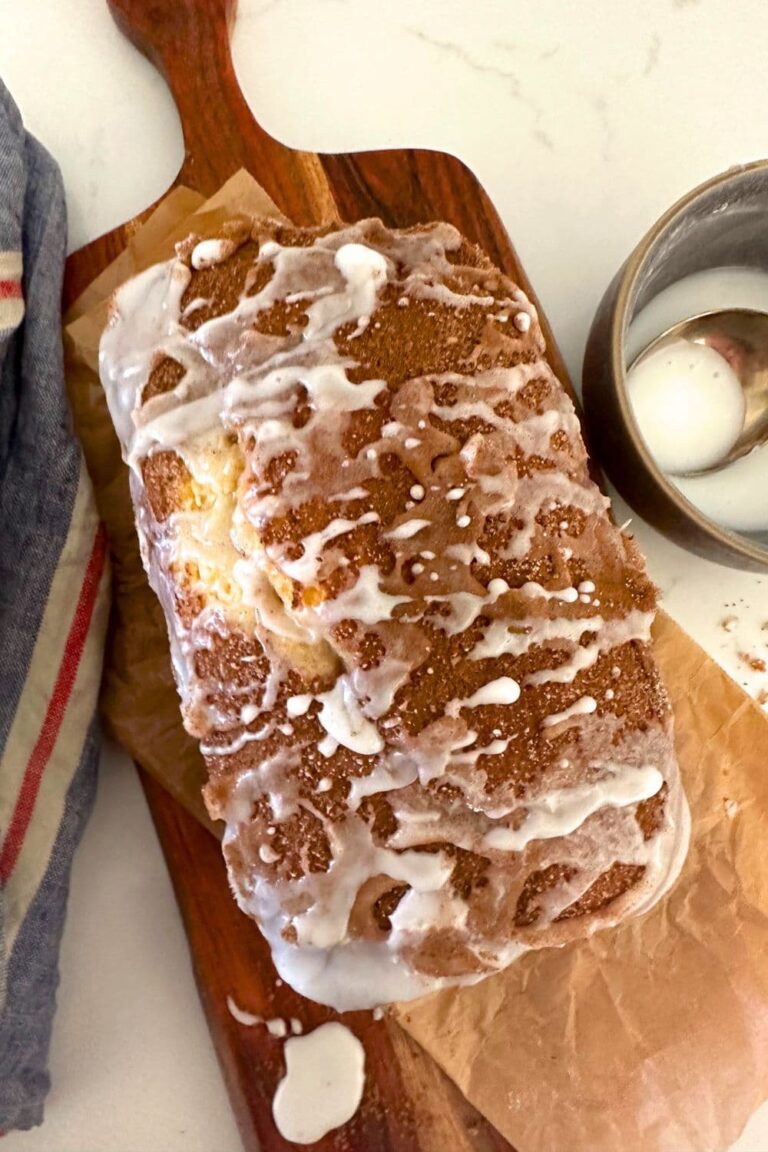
column 53, row 608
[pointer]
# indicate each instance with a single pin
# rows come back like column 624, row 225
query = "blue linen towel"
column 53, row 609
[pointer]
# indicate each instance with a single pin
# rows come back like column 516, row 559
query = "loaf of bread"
column 412, row 643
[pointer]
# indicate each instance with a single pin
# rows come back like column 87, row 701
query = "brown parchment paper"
column 652, row 1037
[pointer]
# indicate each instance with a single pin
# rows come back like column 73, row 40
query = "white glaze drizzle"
column 341, row 716
column 505, row 690
column 563, row 810
column 276, row 1026
column 242, row 382
column 581, row 707
column 323, row 1083
column 407, row 529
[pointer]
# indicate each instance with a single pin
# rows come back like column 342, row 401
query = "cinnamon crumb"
column 756, row 663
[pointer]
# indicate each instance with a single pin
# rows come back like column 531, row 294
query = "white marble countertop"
column 583, row 121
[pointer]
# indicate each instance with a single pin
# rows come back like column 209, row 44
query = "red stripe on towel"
column 65, row 679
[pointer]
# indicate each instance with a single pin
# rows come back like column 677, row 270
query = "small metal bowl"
column 722, row 222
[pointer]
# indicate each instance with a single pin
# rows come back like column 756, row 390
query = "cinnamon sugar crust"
column 410, row 639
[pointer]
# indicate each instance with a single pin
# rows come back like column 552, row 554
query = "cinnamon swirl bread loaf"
column 410, row 640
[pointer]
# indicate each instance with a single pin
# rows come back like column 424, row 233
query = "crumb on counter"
column 756, row 663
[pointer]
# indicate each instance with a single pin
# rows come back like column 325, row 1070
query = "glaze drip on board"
column 323, row 1083
column 391, row 588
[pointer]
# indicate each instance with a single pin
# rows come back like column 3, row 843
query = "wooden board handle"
column 166, row 30
column 188, row 41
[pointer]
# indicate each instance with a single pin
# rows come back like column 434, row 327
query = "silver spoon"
column 740, row 335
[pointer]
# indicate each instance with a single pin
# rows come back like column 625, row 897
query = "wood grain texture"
column 409, row 1104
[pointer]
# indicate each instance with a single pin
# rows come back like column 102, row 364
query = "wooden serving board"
column 409, row 1104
